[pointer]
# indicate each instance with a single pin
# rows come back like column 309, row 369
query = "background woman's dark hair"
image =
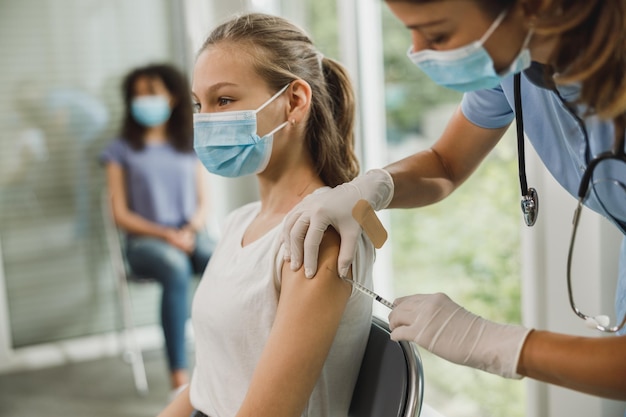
column 591, row 47
column 282, row 53
column 180, row 123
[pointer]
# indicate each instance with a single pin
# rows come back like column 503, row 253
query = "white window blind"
column 60, row 103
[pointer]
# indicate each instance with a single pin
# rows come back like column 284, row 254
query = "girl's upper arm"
column 308, row 316
column 179, row 407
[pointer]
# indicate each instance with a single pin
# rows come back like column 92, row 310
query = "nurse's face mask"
column 470, row 67
column 227, row 143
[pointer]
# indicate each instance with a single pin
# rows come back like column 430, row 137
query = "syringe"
column 370, row 293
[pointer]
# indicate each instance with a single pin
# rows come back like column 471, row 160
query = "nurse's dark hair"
column 590, row 50
column 281, row 53
column 180, row 123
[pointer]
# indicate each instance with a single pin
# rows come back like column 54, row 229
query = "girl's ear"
column 299, row 93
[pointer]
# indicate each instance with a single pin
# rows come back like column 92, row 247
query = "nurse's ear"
column 299, row 94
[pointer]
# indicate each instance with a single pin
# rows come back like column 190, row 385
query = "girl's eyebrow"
column 217, row 86
column 212, row 89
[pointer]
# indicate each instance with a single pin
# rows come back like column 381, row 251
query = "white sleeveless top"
column 233, row 312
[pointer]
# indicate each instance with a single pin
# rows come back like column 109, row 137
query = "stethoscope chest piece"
column 530, row 206
column 530, row 198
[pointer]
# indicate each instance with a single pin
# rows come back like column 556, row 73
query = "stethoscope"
column 530, row 198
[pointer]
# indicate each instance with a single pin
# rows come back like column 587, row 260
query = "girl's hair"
column 591, row 47
column 281, row 53
column 179, row 125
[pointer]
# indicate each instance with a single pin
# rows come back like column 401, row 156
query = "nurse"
column 559, row 66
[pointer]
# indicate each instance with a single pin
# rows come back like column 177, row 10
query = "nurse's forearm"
column 595, row 366
column 431, row 175
column 419, row 180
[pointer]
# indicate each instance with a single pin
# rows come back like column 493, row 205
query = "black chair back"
column 391, row 381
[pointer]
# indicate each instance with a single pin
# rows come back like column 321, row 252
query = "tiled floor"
column 93, row 389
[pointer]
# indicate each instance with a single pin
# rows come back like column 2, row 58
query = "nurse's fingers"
column 291, row 219
column 296, row 240
column 312, row 241
column 347, row 250
column 402, row 333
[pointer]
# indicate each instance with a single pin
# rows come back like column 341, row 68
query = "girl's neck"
column 279, row 196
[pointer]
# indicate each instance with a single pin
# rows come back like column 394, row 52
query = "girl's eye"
column 223, row 101
column 196, row 107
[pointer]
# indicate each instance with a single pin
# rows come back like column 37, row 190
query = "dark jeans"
column 173, row 269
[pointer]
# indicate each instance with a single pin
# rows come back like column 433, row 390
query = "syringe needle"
column 370, row 293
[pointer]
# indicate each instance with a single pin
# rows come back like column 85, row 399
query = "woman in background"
column 158, row 196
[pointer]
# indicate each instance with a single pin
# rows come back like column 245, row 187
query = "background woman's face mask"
column 227, row 143
column 470, row 67
column 150, row 111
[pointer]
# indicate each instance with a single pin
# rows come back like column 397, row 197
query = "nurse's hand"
column 438, row 324
column 305, row 224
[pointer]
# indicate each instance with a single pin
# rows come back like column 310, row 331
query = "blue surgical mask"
column 470, row 67
column 227, row 143
column 150, row 111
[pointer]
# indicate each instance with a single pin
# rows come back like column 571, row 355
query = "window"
column 466, row 246
column 60, row 102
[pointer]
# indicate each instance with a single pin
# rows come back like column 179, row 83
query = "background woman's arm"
column 132, row 222
column 198, row 220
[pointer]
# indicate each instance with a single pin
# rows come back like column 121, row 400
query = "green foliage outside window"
column 468, row 247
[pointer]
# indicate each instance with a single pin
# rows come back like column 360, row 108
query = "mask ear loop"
column 529, row 35
column 493, row 27
column 282, row 90
column 277, row 129
column 264, row 105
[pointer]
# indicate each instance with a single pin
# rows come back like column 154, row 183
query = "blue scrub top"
column 559, row 141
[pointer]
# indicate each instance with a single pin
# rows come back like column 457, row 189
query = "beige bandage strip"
column 369, row 221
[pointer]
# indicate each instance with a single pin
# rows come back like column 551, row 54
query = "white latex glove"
column 305, row 224
column 446, row 329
